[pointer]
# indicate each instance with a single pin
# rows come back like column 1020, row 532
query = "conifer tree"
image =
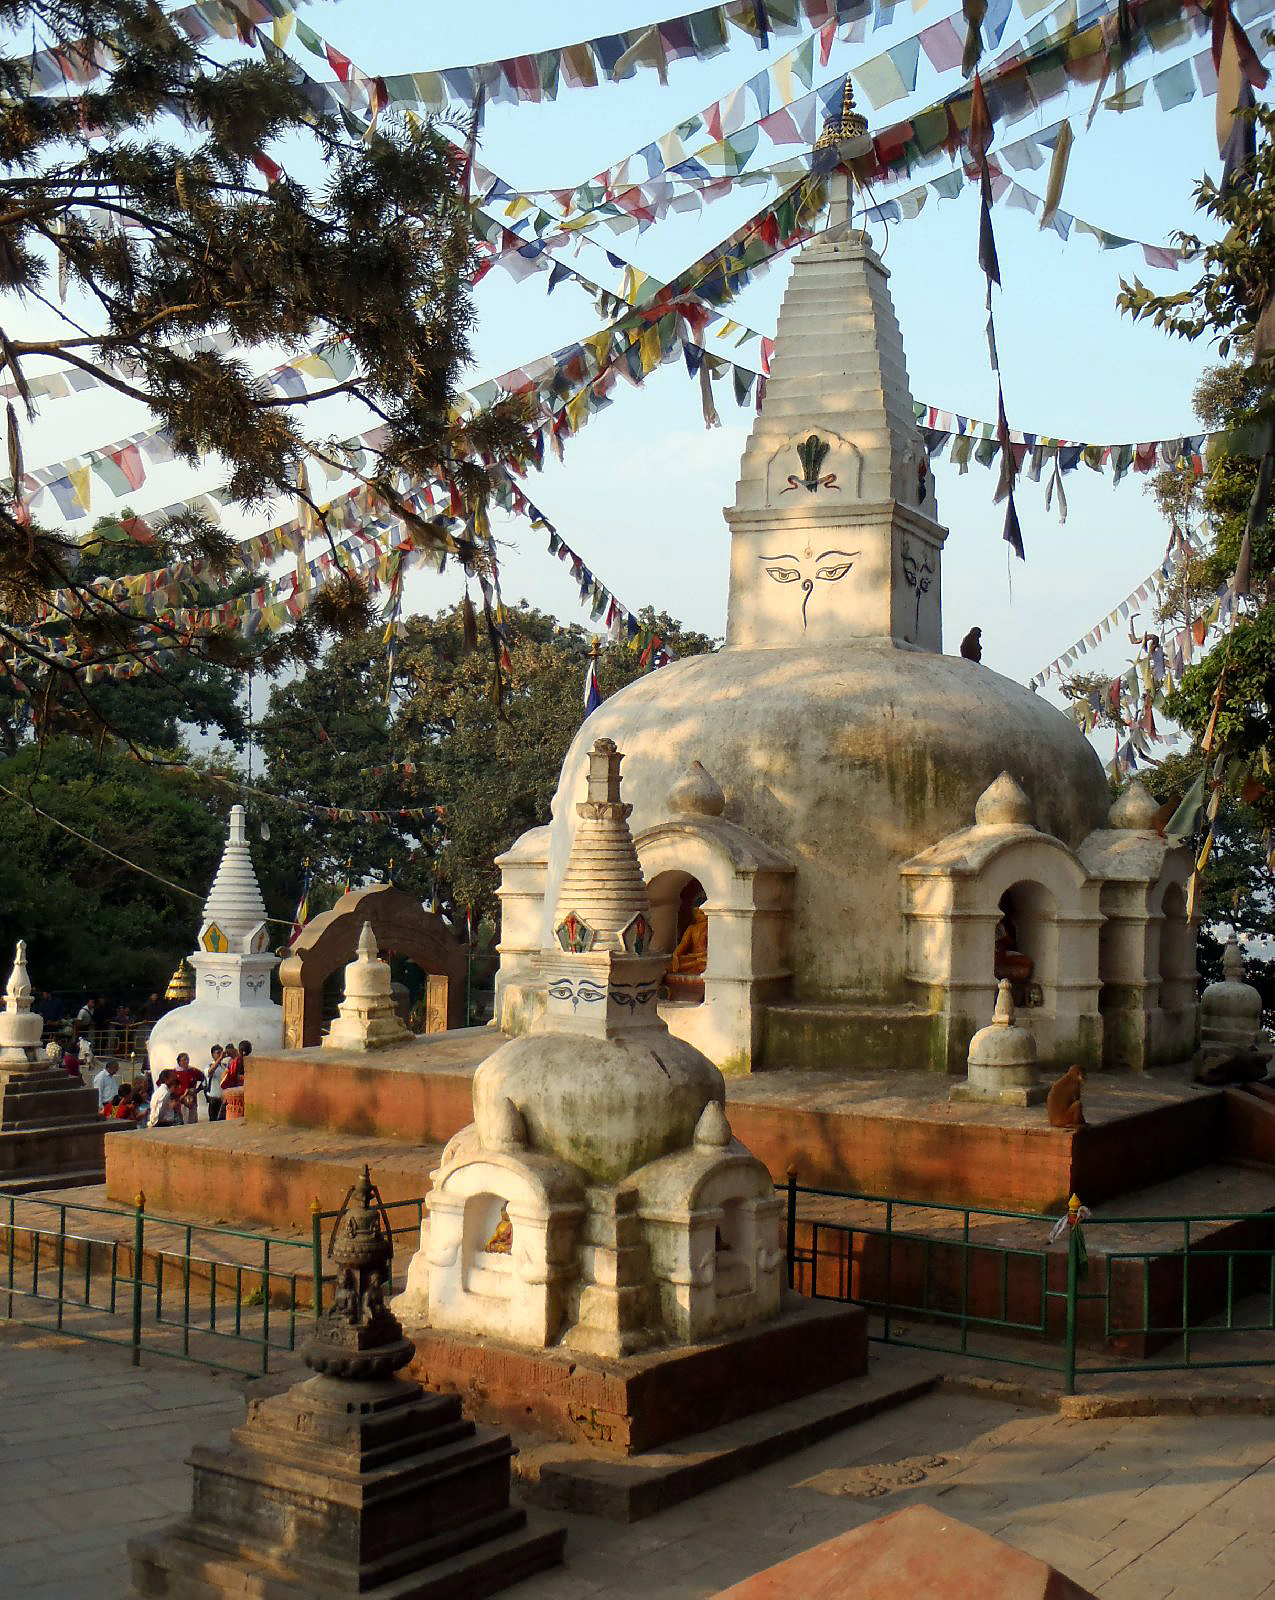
column 150, row 240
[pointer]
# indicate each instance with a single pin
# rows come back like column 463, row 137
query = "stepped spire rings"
column 812, row 453
column 829, row 566
column 848, row 129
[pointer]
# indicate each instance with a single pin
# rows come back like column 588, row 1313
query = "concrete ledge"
column 625, row 1489
column 633, row 1405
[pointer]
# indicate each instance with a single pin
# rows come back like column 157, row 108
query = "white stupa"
column 852, row 888
column 232, row 968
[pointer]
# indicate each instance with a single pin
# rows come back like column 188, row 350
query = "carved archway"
column 400, row 923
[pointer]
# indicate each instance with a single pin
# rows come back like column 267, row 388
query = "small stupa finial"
column 1232, row 961
column 18, row 987
column 604, row 774
column 850, row 127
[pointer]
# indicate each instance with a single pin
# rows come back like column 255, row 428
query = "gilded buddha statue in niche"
column 689, row 961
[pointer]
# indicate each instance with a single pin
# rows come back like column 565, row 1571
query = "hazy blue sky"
column 640, row 492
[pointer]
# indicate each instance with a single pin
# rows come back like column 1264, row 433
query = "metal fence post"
column 139, row 1227
column 316, row 1257
column 1073, row 1254
column 790, row 1246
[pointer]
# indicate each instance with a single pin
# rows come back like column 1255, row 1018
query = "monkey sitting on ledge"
column 1063, row 1101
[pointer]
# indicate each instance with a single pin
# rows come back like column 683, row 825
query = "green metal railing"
column 985, row 1283
column 230, row 1298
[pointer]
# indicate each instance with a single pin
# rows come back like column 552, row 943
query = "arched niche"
column 957, row 895
column 1177, row 950
column 675, row 895
column 747, row 889
column 399, row 923
column 1025, row 941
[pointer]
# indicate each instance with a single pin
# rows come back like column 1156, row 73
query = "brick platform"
column 240, row 1173
column 310, row 1112
column 630, row 1406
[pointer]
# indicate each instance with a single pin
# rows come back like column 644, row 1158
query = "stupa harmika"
column 896, row 829
column 232, row 967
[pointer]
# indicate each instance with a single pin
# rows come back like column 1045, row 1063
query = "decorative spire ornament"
column 846, row 136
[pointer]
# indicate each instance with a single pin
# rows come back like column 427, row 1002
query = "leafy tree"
column 89, row 920
column 148, row 195
column 485, row 772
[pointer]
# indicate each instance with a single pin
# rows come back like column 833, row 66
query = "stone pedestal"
column 350, row 1488
column 354, row 1482
column 51, row 1135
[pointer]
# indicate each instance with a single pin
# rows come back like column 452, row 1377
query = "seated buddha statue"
column 1010, row 963
column 501, row 1242
column 687, row 965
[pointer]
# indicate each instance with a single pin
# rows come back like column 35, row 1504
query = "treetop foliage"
column 146, row 200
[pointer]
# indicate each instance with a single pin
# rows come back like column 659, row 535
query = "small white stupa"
column 598, row 1200
column 232, row 968
column 368, row 1018
column 1230, row 1011
column 1002, row 1060
column 20, row 1027
column 51, row 1135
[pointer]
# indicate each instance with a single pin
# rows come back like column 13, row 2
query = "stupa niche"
column 232, row 967
column 854, row 901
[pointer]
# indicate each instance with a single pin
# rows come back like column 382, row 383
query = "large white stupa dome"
column 848, row 758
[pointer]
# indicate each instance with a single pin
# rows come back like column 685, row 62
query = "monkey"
column 972, row 645
column 1063, row 1101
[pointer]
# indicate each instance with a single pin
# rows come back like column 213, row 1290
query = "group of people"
column 104, row 1028
column 172, row 1097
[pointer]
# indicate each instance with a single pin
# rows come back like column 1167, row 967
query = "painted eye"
column 831, row 574
column 783, row 574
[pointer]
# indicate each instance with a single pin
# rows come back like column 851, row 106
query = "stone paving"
column 1133, row 1508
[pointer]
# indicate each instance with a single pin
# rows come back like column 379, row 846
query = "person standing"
column 233, row 1078
column 190, row 1080
column 164, row 1111
column 217, row 1068
column 106, row 1082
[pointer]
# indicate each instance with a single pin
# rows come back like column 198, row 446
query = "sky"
column 640, row 493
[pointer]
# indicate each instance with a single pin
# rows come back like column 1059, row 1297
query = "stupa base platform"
column 578, row 1478
column 50, row 1133
column 313, row 1116
column 627, row 1406
column 1011, row 1095
column 243, row 1172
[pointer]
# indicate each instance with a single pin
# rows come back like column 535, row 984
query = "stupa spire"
column 603, row 890
column 847, row 134
column 835, row 530
column 234, row 906
column 601, row 975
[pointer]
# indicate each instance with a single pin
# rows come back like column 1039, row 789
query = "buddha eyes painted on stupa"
column 917, row 576
column 830, row 566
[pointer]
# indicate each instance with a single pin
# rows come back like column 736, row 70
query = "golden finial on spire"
column 849, row 127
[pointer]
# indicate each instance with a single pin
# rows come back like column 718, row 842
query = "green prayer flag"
column 1175, row 86
column 803, row 62
column 311, row 41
